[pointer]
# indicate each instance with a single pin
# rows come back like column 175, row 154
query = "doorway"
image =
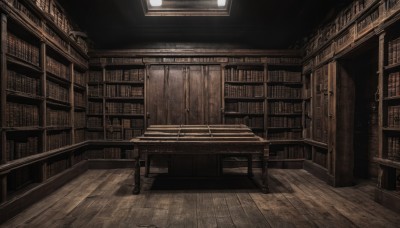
column 357, row 73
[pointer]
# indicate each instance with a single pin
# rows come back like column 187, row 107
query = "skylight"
column 186, row 7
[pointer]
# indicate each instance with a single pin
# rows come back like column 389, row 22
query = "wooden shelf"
column 79, row 87
column 57, row 79
column 28, row 96
column 394, row 98
column 125, row 115
column 244, row 83
column 22, row 63
column 57, row 103
column 393, row 129
column 285, row 141
column 59, row 128
column 316, row 143
column 95, row 128
column 392, row 67
column 245, row 98
column 93, row 114
column 79, row 108
column 387, row 162
column 285, row 114
column 14, row 129
column 95, row 98
column 286, row 83
column 243, row 114
column 125, row 82
column 283, row 128
column 124, row 98
column 284, row 99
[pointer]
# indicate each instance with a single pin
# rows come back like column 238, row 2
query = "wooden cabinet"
column 183, row 94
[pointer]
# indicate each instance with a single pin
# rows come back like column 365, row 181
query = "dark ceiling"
column 265, row 24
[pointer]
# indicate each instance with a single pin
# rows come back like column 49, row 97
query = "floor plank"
column 102, row 198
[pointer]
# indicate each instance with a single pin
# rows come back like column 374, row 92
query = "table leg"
column 264, row 175
column 136, row 180
column 250, row 165
column 147, row 164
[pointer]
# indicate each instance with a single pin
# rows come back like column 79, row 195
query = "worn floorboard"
column 102, row 198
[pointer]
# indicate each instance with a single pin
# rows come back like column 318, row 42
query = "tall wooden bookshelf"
column 285, row 111
column 41, row 102
column 244, row 95
column 329, row 154
column 116, row 104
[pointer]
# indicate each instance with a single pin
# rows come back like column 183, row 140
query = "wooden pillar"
column 381, row 64
column 3, row 83
column 332, row 76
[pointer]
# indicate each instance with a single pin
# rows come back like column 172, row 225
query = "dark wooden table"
column 220, row 140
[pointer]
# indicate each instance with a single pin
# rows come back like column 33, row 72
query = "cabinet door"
column 184, row 94
column 155, row 97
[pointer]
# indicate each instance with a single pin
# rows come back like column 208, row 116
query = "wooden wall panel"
column 214, row 94
column 155, row 102
column 175, row 95
column 196, row 93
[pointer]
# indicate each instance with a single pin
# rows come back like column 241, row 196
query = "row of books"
column 80, row 119
column 58, row 69
column 60, row 41
column 80, row 78
column 21, row 115
column 22, row 83
column 126, row 123
column 284, row 135
column 95, row 76
column 393, row 148
column 79, row 99
column 394, row 51
column 114, row 135
column 284, row 107
column 57, row 118
column 393, row 116
column 57, row 14
column 287, row 60
column 252, row 122
column 79, row 136
column 95, row 108
column 132, row 75
column 55, row 167
column 24, row 10
column 368, row 20
column 124, row 108
column 124, row 91
column 95, row 122
column 244, row 90
column 118, row 60
column 21, row 147
column 22, row 49
column 106, row 153
column 245, row 107
column 123, row 134
column 284, row 92
column 393, row 84
column 95, row 90
column 241, row 75
column 283, row 121
column 284, row 76
column 286, row 152
column 94, row 135
column 58, row 140
column 57, row 92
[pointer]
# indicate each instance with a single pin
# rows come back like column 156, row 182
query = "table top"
column 199, row 134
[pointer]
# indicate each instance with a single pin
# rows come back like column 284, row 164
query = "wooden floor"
column 102, row 198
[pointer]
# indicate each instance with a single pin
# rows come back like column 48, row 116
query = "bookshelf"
column 116, row 107
column 388, row 158
column 244, row 95
column 41, row 98
column 285, row 111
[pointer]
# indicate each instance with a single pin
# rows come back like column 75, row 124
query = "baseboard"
column 14, row 206
column 317, row 171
